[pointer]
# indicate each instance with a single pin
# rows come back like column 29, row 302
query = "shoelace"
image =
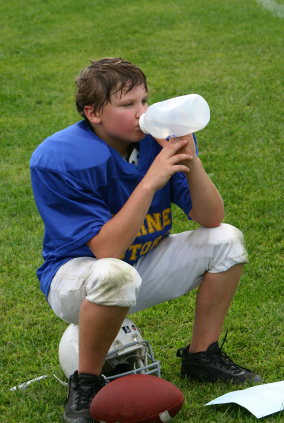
column 221, row 357
column 87, row 392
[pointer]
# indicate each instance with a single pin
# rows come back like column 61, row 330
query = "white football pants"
column 173, row 268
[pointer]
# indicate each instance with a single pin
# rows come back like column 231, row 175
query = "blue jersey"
column 80, row 182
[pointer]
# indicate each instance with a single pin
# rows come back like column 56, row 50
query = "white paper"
column 260, row 400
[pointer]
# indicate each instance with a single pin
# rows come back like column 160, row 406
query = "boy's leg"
column 211, row 258
column 203, row 359
column 96, row 294
column 98, row 327
column 213, row 300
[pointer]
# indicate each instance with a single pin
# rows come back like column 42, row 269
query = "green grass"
column 229, row 52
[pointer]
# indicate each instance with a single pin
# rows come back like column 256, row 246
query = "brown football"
column 137, row 398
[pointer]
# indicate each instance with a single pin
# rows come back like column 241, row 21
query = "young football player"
column 104, row 191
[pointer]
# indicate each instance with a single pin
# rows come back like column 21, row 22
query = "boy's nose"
column 142, row 109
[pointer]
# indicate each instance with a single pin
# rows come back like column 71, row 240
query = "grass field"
column 229, row 52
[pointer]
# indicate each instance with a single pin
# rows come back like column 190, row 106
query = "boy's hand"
column 118, row 233
column 174, row 157
column 188, row 149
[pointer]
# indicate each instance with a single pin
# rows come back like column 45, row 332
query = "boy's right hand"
column 166, row 164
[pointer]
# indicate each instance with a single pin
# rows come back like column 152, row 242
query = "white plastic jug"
column 176, row 117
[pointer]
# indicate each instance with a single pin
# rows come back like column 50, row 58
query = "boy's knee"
column 228, row 244
column 222, row 234
column 116, row 283
column 226, row 233
column 231, row 246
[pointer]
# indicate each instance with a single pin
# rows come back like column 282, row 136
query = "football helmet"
column 128, row 354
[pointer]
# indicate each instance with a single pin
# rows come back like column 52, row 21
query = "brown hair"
column 103, row 78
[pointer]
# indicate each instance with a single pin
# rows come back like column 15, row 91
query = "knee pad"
column 114, row 283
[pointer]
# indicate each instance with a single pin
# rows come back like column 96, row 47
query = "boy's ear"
column 91, row 115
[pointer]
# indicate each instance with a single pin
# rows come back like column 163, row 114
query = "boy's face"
column 118, row 123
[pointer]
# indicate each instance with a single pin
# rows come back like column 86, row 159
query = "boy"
column 104, row 191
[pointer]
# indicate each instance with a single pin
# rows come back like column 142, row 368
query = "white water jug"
column 176, row 117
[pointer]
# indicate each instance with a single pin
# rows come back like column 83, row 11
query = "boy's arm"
column 116, row 236
column 207, row 204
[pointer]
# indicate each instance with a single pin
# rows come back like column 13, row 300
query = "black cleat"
column 81, row 390
column 213, row 365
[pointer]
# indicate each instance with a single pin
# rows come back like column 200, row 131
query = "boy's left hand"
column 189, row 148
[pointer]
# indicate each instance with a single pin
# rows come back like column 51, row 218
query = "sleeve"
column 180, row 194
column 72, row 214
